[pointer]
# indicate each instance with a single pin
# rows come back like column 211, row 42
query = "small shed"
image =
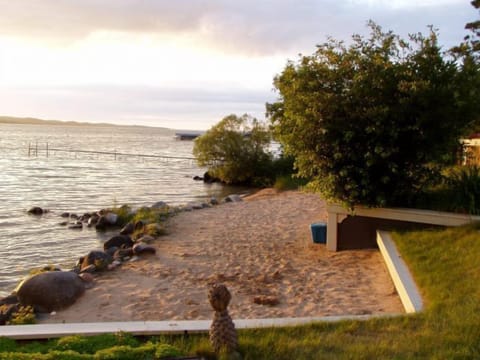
column 471, row 150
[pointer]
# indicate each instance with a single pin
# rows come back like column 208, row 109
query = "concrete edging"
column 48, row 331
column 402, row 279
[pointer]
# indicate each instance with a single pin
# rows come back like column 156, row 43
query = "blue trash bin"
column 319, row 233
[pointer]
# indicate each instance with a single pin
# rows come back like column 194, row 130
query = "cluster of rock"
column 130, row 243
column 53, row 289
column 100, row 220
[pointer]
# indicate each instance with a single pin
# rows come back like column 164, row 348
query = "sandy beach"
column 259, row 248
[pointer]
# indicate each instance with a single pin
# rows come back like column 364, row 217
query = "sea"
column 78, row 169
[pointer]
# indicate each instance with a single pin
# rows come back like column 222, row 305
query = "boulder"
column 85, row 217
column 139, row 226
column 128, row 229
column 6, row 312
column 111, row 250
column 121, row 254
column 36, row 210
column 76, row 225
column 147, row 239
column 50, row 291
column 88, row 279
column 159, row 205
column 92, row 220
column 111, row 218
column 101, row 223
column 209, row 179
column 9, row 299
column 98, row 258
column 233, row 198
column 141, row 248
column 118, row 241
column 88, row 269
column 196, row 205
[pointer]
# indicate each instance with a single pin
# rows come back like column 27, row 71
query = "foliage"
column 152, row 215
column 474, row 27
column 93, row 344
column 154, row 218
column 124, row 213
column 46, row 268
column 23, row 316
column 102, row 347
column 288, row 182
column 235, row 150
column 459, row 191
column 154, row 230
column 464, row 185
column 166, row 350
column 371, row 122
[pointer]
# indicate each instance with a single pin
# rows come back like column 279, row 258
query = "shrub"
column 235, row 150
column 93, row 344
column 23, row 316
column 463, row 185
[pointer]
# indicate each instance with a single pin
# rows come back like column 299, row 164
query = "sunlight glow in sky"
column 182, row 64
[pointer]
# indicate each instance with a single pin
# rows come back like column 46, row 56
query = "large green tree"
column 474, row 26
column 367, row 122
column 235, row 150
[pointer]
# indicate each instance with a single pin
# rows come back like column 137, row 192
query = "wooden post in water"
column 47, row 149
column 29, row 144
column 36, row 147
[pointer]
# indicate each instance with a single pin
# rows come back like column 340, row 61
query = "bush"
column 464, row 186
column 235, row 151
column 93, row 344
column 23, row 316
column 459, row 191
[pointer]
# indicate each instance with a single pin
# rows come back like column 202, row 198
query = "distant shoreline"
column 35, row 121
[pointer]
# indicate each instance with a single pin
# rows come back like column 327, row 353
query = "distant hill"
column 34, row 121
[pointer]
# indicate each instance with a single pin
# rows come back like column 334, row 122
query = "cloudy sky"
column 181, row 64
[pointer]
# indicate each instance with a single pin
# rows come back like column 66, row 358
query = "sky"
column 181, row 64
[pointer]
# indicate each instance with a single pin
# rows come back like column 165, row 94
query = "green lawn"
column 445, row 264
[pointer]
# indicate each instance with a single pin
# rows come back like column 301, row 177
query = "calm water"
column 79, row 182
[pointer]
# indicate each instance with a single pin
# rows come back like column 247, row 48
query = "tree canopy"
column 368, row 121
column 235, row 150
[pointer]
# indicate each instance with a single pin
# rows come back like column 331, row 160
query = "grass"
column 445, row 265
column 289, row 182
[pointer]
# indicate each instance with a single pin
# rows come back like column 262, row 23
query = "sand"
column 259, row 247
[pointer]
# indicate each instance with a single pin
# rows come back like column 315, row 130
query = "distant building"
column 471, row 150
column 188, row 135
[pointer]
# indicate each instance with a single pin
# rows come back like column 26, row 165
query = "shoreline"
column 259, row 248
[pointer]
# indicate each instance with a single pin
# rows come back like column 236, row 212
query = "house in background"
column 471, row 150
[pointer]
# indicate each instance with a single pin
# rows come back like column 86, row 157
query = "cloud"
column 248, row 26
column 182, row 108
